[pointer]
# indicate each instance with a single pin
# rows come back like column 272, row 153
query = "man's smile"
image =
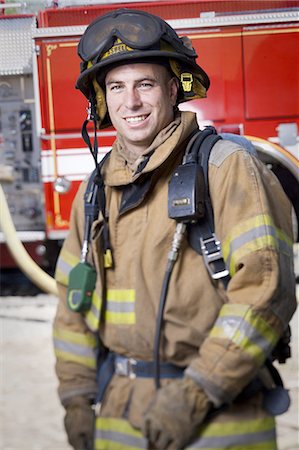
column 136, row 119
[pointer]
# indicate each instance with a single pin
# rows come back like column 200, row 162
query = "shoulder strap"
column 202, row 238
column 94, row 201
column 201, row 235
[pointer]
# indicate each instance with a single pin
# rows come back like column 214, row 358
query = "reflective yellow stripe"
column 254, row 222
column 251, row 247
column 92, row 316
column 78, row 338
column 65, row 263
column 246, row 329
column 120, row 318
column 61, row 277
column 252, row 235
column 123, row 426
column 76, row 347
column 239, row 427
column 71, row 357
column 257, row 434
column 246, row 312
column 121, row 295
column 115, row 434
column 120, row 307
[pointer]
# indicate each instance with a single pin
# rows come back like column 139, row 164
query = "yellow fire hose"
column 19, row 253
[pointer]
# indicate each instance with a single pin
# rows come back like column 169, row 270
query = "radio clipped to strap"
column 82, row 278
column 189, row 202
column 82, row 282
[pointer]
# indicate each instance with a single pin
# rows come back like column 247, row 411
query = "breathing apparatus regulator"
column 121, row 37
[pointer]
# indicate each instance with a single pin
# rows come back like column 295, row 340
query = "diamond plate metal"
column 16, row 49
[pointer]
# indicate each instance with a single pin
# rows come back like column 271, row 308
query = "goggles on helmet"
column 129, row 36
column 137, row 29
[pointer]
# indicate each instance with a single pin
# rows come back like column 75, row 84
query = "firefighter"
column 149, row 357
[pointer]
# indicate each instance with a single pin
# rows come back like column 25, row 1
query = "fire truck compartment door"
column 271, row 68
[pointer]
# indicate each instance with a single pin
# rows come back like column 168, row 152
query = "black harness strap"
column 94, row 202
column 201, row 235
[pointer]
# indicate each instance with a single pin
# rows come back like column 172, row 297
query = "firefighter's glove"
column 172, row 419
column 79, row 423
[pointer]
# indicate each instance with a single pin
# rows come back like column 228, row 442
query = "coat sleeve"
column 253, row 222
column 75, row 345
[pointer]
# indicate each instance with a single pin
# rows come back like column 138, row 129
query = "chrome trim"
column 270, row 150
column 48, row 137
column 236, row 19
column 178, row 24
column 26, row 236
column 56, row 235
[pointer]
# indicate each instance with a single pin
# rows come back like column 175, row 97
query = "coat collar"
column 116, row 171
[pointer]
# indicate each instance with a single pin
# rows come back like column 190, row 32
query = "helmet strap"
column 94, row 118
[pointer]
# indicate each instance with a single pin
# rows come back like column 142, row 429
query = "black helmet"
column 125, row 36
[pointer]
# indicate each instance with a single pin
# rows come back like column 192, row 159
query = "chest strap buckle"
column 213, row 258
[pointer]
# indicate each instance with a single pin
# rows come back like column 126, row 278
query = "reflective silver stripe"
column 120, row 300
column 214, row 392
column 246, row 329
column 243, row 435
column 95, row 310
column 232, row 323
column 241, row 442
column 89, row 392
column 120, row 307
column 92, row 317
column 75, row 349
column 250, row 235
column 116, row 433
column 62, row 272
column 116, row 437
column 65, row 263
column 63, row 266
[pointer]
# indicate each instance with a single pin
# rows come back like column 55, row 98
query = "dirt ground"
column 31, row 417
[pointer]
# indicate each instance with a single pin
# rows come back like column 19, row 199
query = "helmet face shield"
column 137, row 29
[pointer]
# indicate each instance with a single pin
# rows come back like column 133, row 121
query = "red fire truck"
column 248, row 48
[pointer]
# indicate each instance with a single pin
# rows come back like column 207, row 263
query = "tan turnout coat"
column 222, row 337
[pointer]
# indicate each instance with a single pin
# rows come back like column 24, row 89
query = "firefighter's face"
column 140, row 99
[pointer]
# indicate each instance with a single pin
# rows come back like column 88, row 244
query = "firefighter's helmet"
column 127, row 35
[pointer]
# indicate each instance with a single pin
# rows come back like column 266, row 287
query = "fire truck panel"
column 20, row 170
column 20, row 153
column 248, row 48
column 271, row 74
column 220, row 55
column 232, row 49
column 169, row 10
column 63, row 107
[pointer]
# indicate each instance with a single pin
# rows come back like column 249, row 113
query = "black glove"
column 79, row 423
column 173, row 417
